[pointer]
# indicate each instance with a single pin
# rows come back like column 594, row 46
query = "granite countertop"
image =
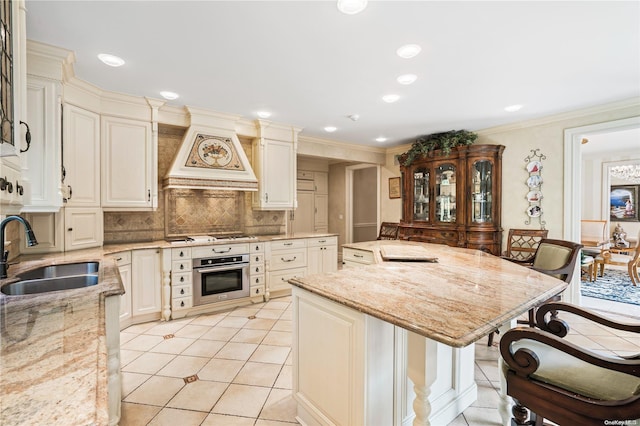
column 52, row 348
column 464, row 296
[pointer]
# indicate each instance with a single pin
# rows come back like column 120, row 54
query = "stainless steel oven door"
column 220, row 283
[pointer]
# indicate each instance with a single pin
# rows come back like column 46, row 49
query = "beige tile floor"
column 234, row 368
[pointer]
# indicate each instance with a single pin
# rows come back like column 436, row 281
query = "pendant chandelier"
column 629, row 173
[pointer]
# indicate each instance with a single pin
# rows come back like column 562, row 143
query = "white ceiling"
column 312, row 66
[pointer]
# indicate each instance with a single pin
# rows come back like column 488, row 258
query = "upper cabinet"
column 454, row 199
column 81, row 157
column 274, row 162
column 128, row 169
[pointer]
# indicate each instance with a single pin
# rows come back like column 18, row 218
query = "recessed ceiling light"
column 513, row 108
column 263, row 114
column 351, row 7
column 381, row 139
column 111, row 60
column 169, row 95
column 390, row 98
column 354, row 117
column 408, row 51
column 330, row 129
column 407, row 78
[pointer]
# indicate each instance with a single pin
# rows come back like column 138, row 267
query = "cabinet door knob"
column 181, row 254
column 181, row 266
column 181, row 279
column 182, row 291
column 182, row 304
column 70, row 229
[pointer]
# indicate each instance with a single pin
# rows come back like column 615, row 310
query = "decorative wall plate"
column 534, row 196
column 534, row 181
column 534, row 211
column 534, row 166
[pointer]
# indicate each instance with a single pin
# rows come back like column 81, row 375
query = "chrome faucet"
column 4, row 255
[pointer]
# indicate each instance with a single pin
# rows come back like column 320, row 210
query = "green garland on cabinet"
column 444, row 141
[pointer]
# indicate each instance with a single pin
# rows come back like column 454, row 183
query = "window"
column 6, row 73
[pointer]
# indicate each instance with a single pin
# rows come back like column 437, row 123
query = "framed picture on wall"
column 394, row 187
column 623, row 203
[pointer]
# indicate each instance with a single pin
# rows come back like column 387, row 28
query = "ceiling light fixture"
column 408, row 51
column 390, row 98
column 407, row 78
column 263, row 114
column 381, row 139
column 354, row 117
column 330, row 129
column 513, row 108
column 169, row 95
column 111, row 60
column 351, row 7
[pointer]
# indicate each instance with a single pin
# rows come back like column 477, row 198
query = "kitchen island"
column 361, row 333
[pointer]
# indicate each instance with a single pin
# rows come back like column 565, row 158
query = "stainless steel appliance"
column 220, row 278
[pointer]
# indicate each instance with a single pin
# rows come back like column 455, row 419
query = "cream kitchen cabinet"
column 83, row 228
column 352, row 257
column 256, row 272
column 41, row 163
column 123, row 260
column 304, row 215
column 81, row 157
column 275, row 167
column 312, row 211
column 322, row 255
column 129, row 175
column 285, row 259
column 146, row 281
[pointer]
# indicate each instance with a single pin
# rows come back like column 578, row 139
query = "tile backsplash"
column 190, row 212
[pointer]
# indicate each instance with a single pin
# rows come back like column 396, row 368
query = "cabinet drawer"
column 180, row 278
column 257, row 247
column 256, row 269
column 305, row 185
column 123, row 258
column 180, row 291
column 304, row 175
column 257, row 280
column 358, row 256
column 181, row 253
column 181, row 265
column 257, row 291
column 287, row 244
column 322, row 241
column 280, row 280
column 226, row 249
column 181, row 303
column 288, row 259
column 257, row 259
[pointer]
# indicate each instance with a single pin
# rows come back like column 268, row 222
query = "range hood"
column 211, row 156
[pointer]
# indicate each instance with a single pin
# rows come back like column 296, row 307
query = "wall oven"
column 220, row 278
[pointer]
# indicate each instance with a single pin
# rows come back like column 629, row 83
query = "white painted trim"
column 572, row 185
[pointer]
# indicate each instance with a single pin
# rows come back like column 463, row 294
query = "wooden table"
column 361, row 333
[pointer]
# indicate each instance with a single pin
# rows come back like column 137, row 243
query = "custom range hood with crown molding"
column 211, row 156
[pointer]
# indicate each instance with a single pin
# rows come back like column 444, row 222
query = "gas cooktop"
column 212, row 238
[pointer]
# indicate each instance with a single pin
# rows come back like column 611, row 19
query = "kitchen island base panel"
column 346, row 366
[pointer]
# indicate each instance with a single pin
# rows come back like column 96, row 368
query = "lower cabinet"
column 322, row 255
column 256, row 272
column 114, row 379
column 285, row 259
column 355, row 257
column 146, row 276
column 123, row 261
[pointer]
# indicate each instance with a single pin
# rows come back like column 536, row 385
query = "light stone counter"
column 460, row 299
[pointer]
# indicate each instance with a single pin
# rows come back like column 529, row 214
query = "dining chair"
column 551, row 378
column 629, row 257
column 388, row 231
column 522, row 243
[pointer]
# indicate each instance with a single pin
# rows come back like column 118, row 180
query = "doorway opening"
column 362, row 203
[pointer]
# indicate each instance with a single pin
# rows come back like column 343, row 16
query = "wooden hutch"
column 454, row 199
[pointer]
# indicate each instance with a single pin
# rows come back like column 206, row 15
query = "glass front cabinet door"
column 454, row 199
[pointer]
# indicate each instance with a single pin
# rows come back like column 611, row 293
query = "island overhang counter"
column 361, row 333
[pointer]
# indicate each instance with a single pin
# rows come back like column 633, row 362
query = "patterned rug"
column 614, row 285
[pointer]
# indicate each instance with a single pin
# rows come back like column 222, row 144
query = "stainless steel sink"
column 63, row 270
column 46, row 285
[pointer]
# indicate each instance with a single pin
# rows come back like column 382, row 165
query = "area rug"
column 614, row 285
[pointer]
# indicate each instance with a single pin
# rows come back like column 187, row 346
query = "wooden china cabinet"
column 454, row 199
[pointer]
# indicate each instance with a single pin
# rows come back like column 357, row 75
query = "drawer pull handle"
column 182, row 304
column 181, row 266
column 257, row 258
column 257, row 269
column 118, row 259
column 257, row 291
column 182, row 291
column 181, row 279
column 322, row 241
column 181, row 254
column 257, row 280
column 221, row 251
column 287, row 244
column 358, row 255
column 288, row 260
